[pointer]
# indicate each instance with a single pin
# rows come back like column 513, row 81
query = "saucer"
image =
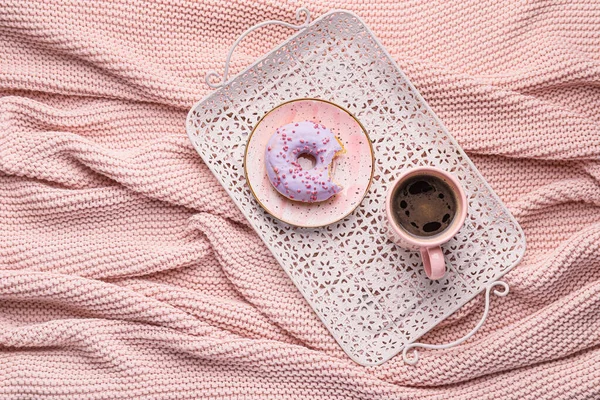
column 353, row 169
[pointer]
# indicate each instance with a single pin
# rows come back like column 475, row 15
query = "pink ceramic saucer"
column 353, row 169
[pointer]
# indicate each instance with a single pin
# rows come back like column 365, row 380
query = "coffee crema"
column 424, row 205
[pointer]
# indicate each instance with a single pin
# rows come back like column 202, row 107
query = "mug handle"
column 433, row 262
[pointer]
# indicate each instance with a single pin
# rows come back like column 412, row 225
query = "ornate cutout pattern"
column 373, row 296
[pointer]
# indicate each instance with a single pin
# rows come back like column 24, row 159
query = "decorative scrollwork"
column 302, row 14
column 415, row 354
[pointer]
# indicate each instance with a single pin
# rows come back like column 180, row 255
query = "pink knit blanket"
column 126, row 272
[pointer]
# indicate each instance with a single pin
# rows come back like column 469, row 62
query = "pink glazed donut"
column 286, row 174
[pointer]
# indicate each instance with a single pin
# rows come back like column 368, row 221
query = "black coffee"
column 424, row 205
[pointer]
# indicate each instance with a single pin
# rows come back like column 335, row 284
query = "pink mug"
column 429, row 246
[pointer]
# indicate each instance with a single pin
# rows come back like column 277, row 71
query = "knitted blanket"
column 126, row 272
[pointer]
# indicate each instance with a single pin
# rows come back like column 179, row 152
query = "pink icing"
column 285, row 173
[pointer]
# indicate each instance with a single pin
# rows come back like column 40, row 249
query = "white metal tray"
column 372, row 295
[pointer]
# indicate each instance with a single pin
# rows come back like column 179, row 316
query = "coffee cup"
column 424, row 208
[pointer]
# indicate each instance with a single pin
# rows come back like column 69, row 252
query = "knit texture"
column 126, row 272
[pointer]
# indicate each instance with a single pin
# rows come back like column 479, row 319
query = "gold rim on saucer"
column 370, row 148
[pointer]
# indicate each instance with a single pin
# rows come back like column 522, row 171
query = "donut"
column 285, row 172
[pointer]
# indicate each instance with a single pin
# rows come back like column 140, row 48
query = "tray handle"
column 302, row 14
column 488, row 291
